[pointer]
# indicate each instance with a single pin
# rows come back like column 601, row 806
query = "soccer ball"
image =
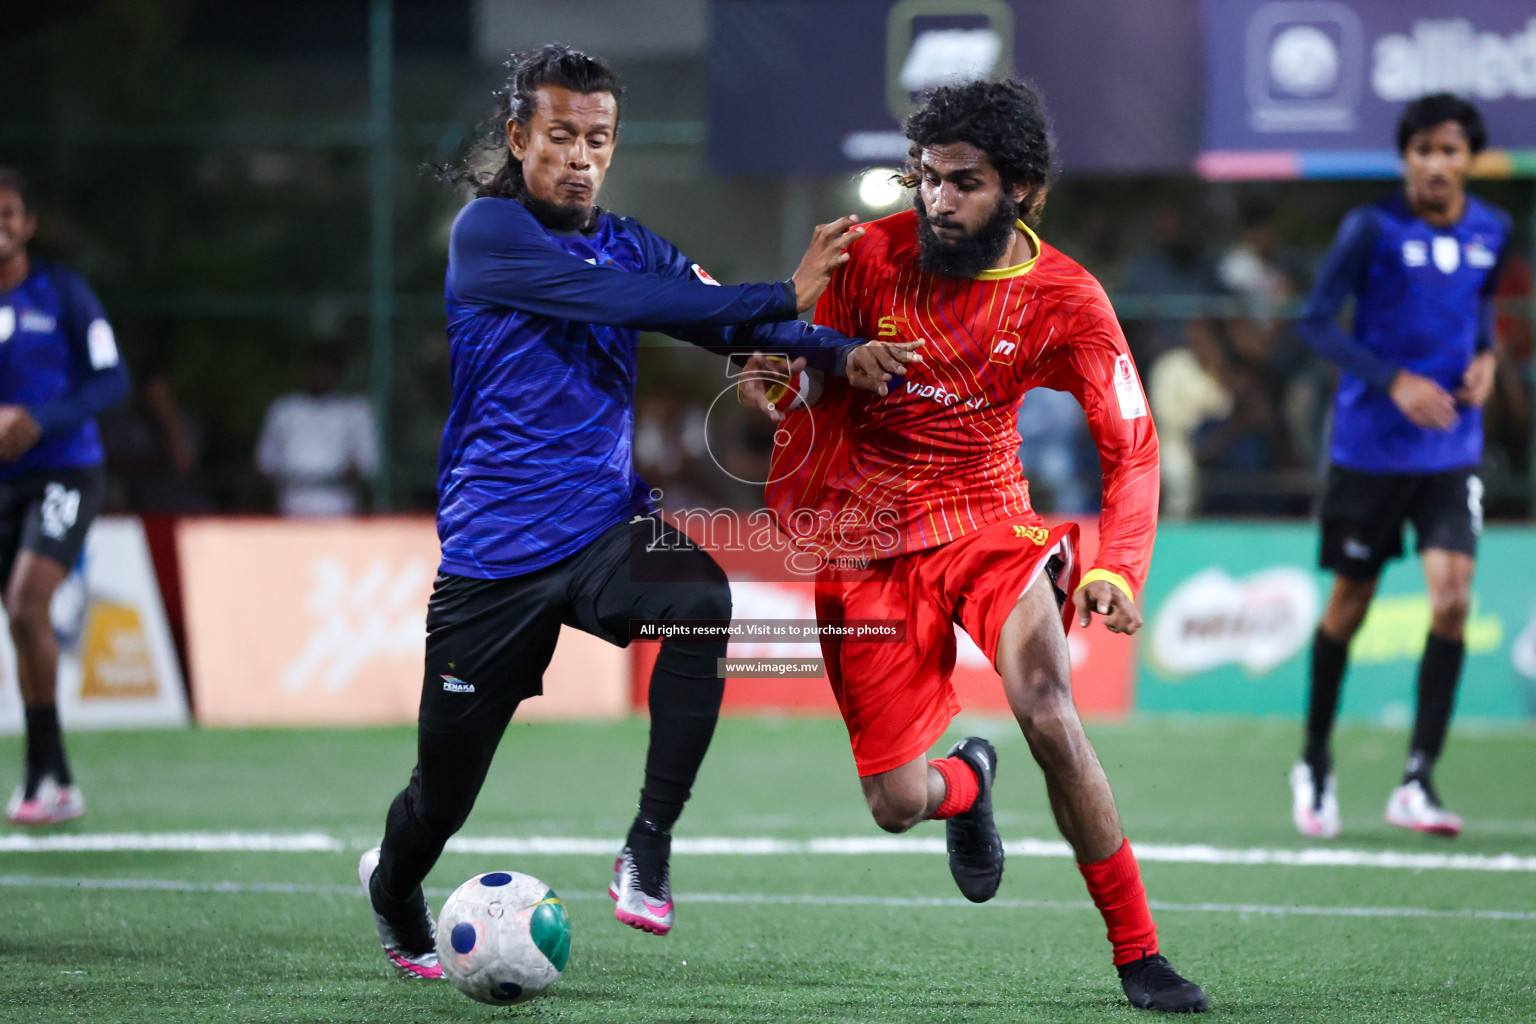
column 503, row 937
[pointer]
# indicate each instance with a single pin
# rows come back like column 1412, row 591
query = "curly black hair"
column 489, row 169
column 1437, row 108
column 1007, row 120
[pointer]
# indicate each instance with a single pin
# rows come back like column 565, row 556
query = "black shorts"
column 48, row 513
column 1363, row 516
column 489, row 641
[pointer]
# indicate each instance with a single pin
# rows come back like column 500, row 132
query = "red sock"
column 960, row 786
column 1115, row 885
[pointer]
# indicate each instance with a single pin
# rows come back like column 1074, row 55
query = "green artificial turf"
column 72, row 949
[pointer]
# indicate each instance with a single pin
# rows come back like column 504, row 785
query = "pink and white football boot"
column 50, row 803
column 410, row 943
column 1415, row 805
column 647, row 911
column 1314, row 807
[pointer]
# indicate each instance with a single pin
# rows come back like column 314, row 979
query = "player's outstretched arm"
column 772, row 384
column 872, row 365
column 827, row 252
column 499, row 256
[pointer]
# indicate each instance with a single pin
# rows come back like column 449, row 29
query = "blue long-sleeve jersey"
column 59, row 359
column 536, row 458
column 1423, row 303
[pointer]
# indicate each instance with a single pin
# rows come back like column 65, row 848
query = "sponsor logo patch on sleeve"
column 703, row 275
column 1133, row 404
column 102, row 344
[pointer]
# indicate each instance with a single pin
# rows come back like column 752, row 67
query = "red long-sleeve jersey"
column 861, row 475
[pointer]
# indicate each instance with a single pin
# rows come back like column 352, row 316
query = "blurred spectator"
column 1253, row 439
column 1174, row 265
column 1186, row 392
column 1250, row 268
column 1057, row 453
column 1507, row 414
column 318, row 445
column 154, row 449
column 670, row 451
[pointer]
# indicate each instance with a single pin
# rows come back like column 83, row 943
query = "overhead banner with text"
column 812, row 87
column 1314, row 88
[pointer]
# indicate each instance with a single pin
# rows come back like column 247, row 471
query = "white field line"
column 762, row 899
column 312, row 842
column 173, row 842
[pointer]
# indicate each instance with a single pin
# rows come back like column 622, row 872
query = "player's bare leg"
column 957, row 789
column 48, row 794
column 904, row 796
column 1347, row 604
column 1448, row 575
column 1032, row 659
column 1415, row 804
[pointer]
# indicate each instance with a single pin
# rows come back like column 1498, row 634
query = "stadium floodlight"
column 879, row 189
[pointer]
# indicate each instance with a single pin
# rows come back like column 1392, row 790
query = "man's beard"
column 969, row 254
column 556, row 217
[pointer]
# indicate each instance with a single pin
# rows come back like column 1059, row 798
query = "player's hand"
column 1477, row 382
column 871, row 365
column 761, row 373
column 1119, row 611
column 18, row 432
column 826, row 254
column 1424, row 402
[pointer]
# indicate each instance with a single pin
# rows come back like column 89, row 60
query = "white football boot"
column 51, row 803
column 1316, row 813
column 1415, row 805
column 409, row 965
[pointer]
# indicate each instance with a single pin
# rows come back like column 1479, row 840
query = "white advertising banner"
column 117, row 662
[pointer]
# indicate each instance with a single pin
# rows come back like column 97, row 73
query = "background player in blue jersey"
column 59, row 367
column 1407, row 434
column 541, row 515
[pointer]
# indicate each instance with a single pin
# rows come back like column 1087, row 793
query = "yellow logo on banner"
column 114, row 654
column 1395, row 627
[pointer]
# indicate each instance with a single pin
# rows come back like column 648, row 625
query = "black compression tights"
column 451, row 767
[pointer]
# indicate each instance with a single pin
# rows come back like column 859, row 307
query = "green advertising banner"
column 1230, row 609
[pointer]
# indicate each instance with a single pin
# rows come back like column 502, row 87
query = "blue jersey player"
column 542, row 518
column 59, row 367
column 1422, row 267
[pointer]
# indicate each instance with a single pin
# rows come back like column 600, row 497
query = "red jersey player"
column 917, row 507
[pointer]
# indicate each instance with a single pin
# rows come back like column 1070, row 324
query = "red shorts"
column 896, row 698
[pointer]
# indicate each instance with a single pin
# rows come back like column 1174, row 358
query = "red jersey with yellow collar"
column 861, row 476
